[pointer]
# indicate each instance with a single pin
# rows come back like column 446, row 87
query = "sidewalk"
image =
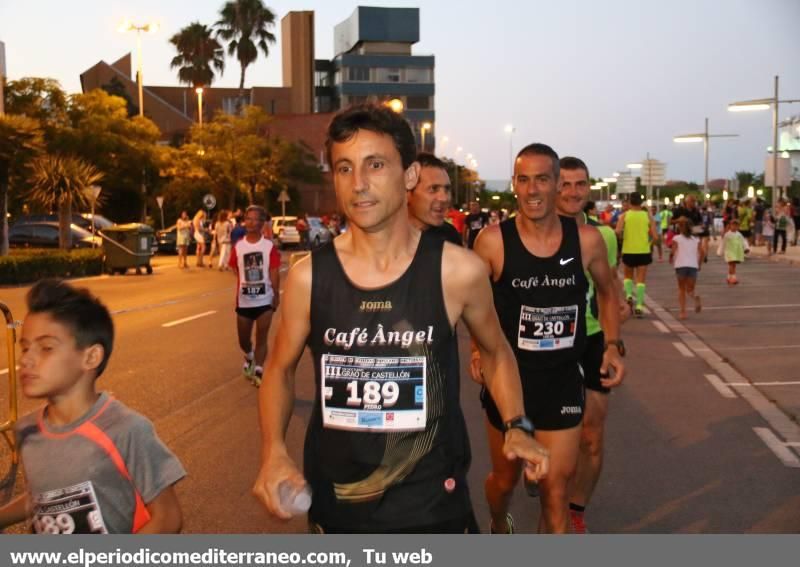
column 792, row 255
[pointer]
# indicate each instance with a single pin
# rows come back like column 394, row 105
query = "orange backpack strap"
column 89, row 430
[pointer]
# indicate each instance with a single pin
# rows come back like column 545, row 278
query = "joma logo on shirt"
column 375, row 306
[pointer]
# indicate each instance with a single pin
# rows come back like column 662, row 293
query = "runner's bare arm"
column 275, row 280
column 468, row 294
column 593, row 251
column 620, row 228
column 165, row 514
column 276, row 395
column 15, row 511
column 489, row 247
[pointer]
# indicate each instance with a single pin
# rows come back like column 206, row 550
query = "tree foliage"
column 21, row 140
column 245, row 25
column 59, row 181
column 199, row 54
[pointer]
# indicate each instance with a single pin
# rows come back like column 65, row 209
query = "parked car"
column 84, row 221
column 284, row 231
column 318, row 233
column 45, row 235
column 166, row 241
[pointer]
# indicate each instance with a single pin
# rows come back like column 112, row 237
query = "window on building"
column 419, row 75
column 356, row 99
column 418, row 103
column 231, row 104
column 387, row 75
column 358, row 73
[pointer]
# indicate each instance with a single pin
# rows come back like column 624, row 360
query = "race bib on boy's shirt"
column 70, row 510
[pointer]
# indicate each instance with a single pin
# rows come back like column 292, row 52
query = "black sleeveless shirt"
column 541, row 302
column 386, row 447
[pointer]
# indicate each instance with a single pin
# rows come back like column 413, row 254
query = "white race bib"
column 70, row 510
column 379, row 394
column 547, row 328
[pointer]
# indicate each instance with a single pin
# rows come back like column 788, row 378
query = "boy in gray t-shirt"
column 91, row 464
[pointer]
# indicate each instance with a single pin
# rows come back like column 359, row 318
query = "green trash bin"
column 128, row 246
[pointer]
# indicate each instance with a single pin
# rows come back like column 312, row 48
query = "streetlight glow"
column 395, row 105
column 690, row 139
column 634, row 166
column 610, row 179
column 150, row 27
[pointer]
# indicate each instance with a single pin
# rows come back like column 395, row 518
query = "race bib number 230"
column 547, row 328
column 379, row 394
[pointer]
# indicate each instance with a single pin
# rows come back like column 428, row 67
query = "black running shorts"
column 591, row 362
column 636, row 260
column 253, row 313
column 553, row 398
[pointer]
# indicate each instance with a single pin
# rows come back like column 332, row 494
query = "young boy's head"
column 67, row 335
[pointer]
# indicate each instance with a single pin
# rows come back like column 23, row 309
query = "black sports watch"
column 618, row 343
column 519, row 422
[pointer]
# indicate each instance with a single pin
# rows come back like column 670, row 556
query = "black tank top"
column 541, row 302
column 386, row 447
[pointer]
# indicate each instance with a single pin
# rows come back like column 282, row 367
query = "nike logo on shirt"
column 564, row 262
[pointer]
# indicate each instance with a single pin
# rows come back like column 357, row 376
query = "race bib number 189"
column 547, row 328
column 70, row 510
column 373, row 393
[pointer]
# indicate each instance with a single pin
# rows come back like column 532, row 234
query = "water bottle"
column 294, row 502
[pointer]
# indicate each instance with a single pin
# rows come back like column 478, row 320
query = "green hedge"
column 28, row 265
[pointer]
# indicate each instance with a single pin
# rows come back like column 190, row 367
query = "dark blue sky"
column 605, row 80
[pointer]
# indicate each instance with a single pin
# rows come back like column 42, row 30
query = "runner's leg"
column 502, row 479
column 564, row 446
column 590, row 459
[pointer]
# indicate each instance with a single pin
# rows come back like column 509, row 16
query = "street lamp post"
column 199, row 91
column 509, row 129
column 95, row 193
column 127, row 26
column 703, row 137
column 763, row 104
column 425, row 126
column 160, row 201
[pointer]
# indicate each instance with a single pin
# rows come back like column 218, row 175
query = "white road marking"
column 187, row 319
column 778, row 347
column 720, row 386
column 661, row 326
column 683, row 350
column 730, row 307
column 745, row 384
column 778, row 447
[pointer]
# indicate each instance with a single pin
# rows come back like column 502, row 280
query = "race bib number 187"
column 373, row 393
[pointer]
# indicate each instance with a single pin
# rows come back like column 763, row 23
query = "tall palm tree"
column 59, row 181
column 245, row 25
column 199, row 53
column 21, row 139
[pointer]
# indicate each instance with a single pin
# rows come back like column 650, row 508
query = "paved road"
column 686, row 453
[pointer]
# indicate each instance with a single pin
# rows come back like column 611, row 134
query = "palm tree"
column 21, row 139
column 198, row 55
column 58, row 181
column 245, row 25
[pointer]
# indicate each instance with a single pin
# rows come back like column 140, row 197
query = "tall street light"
column 764, row 104
column 150, row 27
column 703, row 137
column 425, row 127
column 199, row 91
column 509, row 129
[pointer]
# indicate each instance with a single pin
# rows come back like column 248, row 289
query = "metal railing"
column 7, row 427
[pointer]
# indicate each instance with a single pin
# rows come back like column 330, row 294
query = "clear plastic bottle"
column 294, row 502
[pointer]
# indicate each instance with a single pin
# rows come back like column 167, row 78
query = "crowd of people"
column 386, row 448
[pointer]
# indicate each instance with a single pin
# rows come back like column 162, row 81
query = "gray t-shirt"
column 75, row 483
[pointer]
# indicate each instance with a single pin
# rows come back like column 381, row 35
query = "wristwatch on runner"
column 519, row 422
column 618, row 343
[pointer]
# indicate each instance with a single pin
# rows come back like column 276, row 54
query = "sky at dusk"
column 606, row 80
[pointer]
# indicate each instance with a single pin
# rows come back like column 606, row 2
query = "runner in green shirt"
column 637, row 229
column 573, row 199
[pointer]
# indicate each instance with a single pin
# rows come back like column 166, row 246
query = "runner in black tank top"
column 401, row 465
column 541, row 303
column 386, row 447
